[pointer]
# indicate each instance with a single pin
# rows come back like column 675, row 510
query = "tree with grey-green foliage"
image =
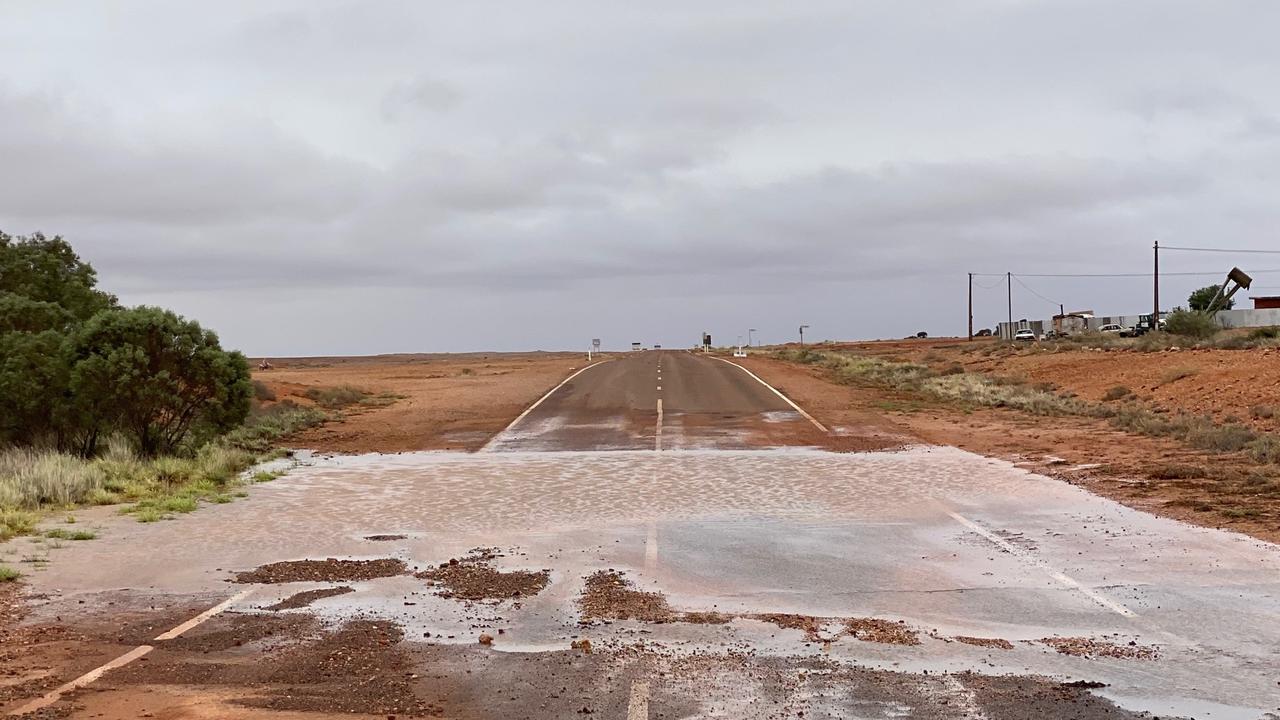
column 33, row 389
column 47, row 269
column 155, row 376
column 1199, row 300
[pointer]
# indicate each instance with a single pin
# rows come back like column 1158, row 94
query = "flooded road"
column 761, row 562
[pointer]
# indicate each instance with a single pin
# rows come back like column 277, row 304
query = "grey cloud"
column 337, row 177
column 419, row 94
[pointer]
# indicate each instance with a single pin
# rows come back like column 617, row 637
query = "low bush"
column 1119, row 392
column 8, row 574
column 1265, row 333
column 1264, row 412
column 267, row 425
column 1192, row 324
column 336, row 397
column 262, row 393
column 1264, row 449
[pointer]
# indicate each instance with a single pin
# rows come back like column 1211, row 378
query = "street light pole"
column 750, row 331
column 802, row 329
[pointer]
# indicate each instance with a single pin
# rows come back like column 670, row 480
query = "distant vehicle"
column 657, row 347
column 1112, row 328
column 984, row 332
column 1024, row 336
column 922, row 334
column 1052, row 335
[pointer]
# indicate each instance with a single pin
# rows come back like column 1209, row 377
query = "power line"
column 1033, row 292
column 992, row 286
column 1121, row 275
column 1220, row 250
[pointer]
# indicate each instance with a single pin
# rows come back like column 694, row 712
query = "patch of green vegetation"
column 8, row 574
column 267, row 475
column 16, row 522
column 336, row 397
column 267, row 425
column 63, row 534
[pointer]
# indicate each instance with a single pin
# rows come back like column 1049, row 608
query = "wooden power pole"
column 970, row 306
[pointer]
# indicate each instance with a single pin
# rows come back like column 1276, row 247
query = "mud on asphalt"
column 283, row 658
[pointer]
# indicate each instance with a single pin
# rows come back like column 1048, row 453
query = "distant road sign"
column 595, row 343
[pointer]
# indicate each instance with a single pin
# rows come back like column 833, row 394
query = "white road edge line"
column 657, row 432
column 204, row 616
column 651, row 547
column 788, row 400
column 1055, row 574
column 56, row 694
column 487, row 446
column 638, row 705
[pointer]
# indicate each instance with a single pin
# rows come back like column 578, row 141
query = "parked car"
column 1111, row 329
column 984, row 332
column 1024, row 336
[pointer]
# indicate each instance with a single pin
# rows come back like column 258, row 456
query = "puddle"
column 1183, row 707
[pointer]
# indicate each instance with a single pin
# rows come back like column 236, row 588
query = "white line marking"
column 1055, row 574
column 54, row 695
column 638, row 705
column 966, row 699
column 788, row 400
column 651, row 548
column 489, row 445
column 657, row 434
column 202, row 617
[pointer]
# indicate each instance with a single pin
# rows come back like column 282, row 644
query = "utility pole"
column 802, row 327
column 970, row 306
column 1009, row 281
column 750, row 332
column 1155, row 288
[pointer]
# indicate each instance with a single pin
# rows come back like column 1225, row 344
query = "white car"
column 1111, row 329
column 1025, row 336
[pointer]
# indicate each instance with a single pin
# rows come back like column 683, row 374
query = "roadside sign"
column 595, row 343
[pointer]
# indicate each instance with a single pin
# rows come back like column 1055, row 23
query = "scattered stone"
column 584, row 645
column 486, row 639
column 327, row 570
column 879, row 630
column 1093, row 648
column 609, row 595
column 1000, row 643
column 303, row 599
column 473, row 578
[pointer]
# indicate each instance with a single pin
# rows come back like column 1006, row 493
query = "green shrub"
column 336, row 397
column 8, row 574
column 262, row 393
column 268, row 425
column 16, row 522
column 1265, row 333
column 1192, row 324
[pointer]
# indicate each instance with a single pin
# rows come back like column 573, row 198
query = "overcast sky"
column 350, row 177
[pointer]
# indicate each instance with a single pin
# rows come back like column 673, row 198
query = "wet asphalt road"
column 949, row 544
column 659, row 400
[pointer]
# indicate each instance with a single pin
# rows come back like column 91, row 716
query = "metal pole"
column 1155, row 288
column 970, row 306
column 1009, row 280
column 801, row 336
